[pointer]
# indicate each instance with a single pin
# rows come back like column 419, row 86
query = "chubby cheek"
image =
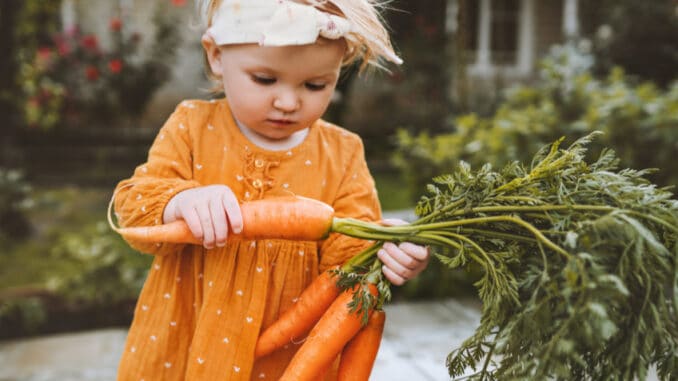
column 246, row 107
column 316, row 107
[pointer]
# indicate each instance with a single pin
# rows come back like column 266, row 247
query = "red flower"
column 115, row 66
column 92, row 73
column 44, row 56
column 115, row 24
column 178, row 3
column 62, row 46
column 90, row 42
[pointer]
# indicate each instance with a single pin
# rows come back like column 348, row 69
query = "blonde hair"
column 370, row 42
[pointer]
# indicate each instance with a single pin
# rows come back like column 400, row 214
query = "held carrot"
column 359, row 354
column 173, row 232
column 329, row 336
column 299, row 319
column 287, row 217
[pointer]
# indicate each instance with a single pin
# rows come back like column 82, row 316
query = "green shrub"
column 107, row 269
column 639, row 121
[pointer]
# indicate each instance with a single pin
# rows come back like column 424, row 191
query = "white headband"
column 279, row 23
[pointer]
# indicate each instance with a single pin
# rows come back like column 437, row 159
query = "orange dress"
column 200, row 311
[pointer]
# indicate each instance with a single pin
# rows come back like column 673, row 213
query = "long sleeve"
column 141, row 199
column 357, row 198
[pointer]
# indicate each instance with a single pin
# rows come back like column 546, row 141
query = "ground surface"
column 416, row 340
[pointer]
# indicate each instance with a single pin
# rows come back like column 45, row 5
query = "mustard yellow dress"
column 200, row 311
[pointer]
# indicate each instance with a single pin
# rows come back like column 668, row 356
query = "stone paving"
column 416, row 341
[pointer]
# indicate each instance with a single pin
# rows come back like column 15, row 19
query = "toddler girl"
column 202, row 307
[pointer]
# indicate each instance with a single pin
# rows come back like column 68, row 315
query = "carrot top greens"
column 580, row 265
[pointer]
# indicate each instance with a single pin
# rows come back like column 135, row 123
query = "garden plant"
column 638, row 120
column 77, row 79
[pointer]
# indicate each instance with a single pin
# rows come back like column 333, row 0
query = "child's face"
column 276, row 91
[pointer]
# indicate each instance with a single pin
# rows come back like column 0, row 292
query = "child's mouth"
column 281, row 122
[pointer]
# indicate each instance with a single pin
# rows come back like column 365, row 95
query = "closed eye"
column 263, row 80
column 315, row 86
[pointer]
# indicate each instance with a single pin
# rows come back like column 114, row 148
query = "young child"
column 202, row 308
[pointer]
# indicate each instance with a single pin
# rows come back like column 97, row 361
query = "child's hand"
column 208, row 212
column 404, row 261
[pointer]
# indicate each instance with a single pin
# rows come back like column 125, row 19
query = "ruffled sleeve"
column 357, row 198
column 141, row 199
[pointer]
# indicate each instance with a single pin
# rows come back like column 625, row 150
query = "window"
column 491, row 26
column 470, row 14
column 504, row 31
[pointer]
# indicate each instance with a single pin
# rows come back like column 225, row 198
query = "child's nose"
column 286, row 101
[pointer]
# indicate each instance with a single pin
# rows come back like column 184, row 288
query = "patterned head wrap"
column 280, row 23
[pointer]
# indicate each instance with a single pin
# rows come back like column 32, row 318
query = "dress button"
column 257, row 183
column 258, row 163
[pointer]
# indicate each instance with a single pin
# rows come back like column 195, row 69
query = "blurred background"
column 86, row 84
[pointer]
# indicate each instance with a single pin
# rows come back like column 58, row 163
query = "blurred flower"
column 178, row 3
column 43, row 57
column 44, row 53
column 115, row 66
column 115, row 24
column 92, row 73
column 90, row 42
column 62, row 47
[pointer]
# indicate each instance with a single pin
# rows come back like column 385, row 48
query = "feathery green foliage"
column 579, row 262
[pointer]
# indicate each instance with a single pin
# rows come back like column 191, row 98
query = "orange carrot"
column 299, row 319
column 357, row 358
column 288, row 217
column 336, row 327
column 173, row 232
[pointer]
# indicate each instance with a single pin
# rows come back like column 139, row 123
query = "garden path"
column 416, row 341
column 417, row 338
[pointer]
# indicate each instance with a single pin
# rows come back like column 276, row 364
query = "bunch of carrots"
column 338, row 323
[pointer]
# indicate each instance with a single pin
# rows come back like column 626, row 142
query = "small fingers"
column 418, row 252
column 232, row 207
column 190, row 216
column 392, row 258
column 219, row 222
column 403, row 262
column 207, row 225
column 393, row 277
column 404, row 257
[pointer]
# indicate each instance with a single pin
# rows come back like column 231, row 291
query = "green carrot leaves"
column 580, row 265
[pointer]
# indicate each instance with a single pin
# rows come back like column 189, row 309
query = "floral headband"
column 280, row 23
